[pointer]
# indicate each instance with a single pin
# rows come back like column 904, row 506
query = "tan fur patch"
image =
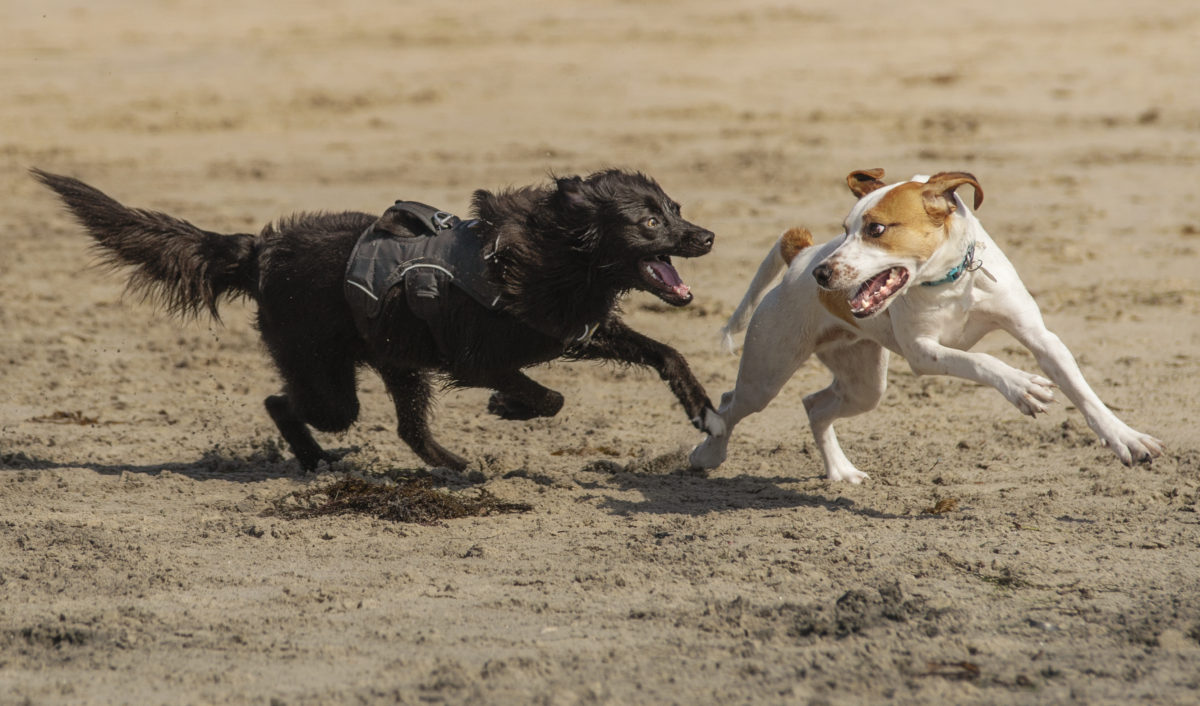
column 911, row 230
column 835, row 303
column 793, row 241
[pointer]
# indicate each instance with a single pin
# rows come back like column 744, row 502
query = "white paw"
column 849, row 474
column 710, row 422
column 1029, row 393
column 1130, row 445
column 708, row 454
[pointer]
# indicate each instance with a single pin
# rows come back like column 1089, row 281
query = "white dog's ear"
column 939, row 188
column 864, row 181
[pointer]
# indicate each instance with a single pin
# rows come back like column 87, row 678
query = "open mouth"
column 875, row 293
column 663, row 280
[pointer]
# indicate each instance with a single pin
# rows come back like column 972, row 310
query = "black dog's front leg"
column 517, row 395
column 616, row 341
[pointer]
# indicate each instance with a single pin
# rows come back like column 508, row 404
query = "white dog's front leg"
column 1056, row 360
column 711, row 452
column 1027, row 392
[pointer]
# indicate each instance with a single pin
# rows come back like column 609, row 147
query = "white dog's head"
column 894, row 237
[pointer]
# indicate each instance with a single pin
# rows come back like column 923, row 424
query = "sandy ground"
column 137, row 566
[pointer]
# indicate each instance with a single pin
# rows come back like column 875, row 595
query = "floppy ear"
column 573, row 191
column 580, row 208
column 938, row 189
column 864, row 181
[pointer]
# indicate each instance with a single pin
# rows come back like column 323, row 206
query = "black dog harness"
column 432, row 249
column 426, row 249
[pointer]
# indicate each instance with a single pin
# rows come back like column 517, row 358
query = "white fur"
column 932, row 327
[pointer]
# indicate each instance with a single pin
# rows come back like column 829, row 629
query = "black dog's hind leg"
column 518, row 397
column 318, row 392
column 411, row 394
column 295, row 432
column 616, row 341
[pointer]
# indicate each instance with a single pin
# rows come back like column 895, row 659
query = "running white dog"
column 914, row 273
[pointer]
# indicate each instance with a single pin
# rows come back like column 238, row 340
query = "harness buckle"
column 443, row 220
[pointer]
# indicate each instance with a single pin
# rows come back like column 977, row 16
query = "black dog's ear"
column 573, row 190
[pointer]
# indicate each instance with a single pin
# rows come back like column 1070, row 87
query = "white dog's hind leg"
column 776, row 345
column 860, row 378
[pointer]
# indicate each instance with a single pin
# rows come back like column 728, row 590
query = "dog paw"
column 1132, row 446
column 332, row 457
column 512, row 409
column 850, row 475
column 312, row 460
column 1029, row 393
column 508, row 408
column 707, row 455
column 710, row 422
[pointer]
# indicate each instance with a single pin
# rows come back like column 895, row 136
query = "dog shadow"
column 670, row 487
column 667, row 485
column 212, row 464
column 259, row 465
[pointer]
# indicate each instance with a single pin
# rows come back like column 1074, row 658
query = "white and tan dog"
column 914, row 273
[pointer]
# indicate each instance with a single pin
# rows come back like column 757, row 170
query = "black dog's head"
column 630, row 229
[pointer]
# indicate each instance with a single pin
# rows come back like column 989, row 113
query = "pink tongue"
column 670, row 277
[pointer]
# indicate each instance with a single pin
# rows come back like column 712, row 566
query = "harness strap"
column 416, row 217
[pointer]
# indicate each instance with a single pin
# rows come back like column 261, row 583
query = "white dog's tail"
column 780, row 256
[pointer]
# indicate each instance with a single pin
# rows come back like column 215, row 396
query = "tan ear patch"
column 864, row 181
column 793, row 241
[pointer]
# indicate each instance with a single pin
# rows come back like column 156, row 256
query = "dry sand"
column 137, row 566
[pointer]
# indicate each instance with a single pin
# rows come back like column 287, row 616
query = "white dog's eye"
column 875, row 229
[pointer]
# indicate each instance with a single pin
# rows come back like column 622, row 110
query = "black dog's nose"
column 706, row 238
column 822, row 273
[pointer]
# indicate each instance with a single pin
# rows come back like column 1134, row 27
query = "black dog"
column 558, row 257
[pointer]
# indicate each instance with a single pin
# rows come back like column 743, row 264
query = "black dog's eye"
column 875, row 229
column 652, row 222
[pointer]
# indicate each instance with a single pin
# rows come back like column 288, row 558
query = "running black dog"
column 556, row 257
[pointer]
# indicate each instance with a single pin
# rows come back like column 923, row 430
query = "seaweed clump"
column 413, row 500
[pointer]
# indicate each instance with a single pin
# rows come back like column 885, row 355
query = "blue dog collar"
column 953, row 275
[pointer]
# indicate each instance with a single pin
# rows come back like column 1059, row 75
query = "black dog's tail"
column 176, row 264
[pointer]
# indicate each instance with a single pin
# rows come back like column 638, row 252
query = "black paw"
column 506, row 407
column 312, row 460
column 709, row 422
column 334, row 456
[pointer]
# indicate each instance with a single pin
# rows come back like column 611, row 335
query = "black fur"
column 564, row 255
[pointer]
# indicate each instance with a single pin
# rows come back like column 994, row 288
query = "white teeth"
column 868, row 299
